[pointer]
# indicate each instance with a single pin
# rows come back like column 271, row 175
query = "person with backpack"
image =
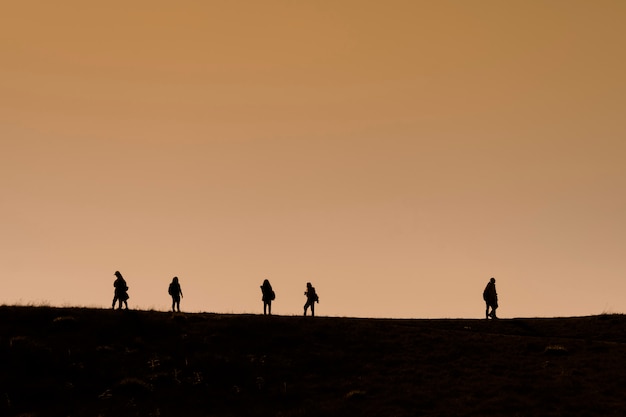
column 121, row 291
column 491, row 299
column 176, row 292
column 311, row 299
column 268, row 296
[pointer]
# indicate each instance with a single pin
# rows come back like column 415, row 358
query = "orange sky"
column 396, row 154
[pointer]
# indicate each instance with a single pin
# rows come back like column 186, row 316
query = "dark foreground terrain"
column 89, row 362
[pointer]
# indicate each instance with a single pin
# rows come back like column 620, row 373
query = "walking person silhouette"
column 268, row 296
column 311, row 299
column 491, row 299
column 176, row 292
column 121, row 291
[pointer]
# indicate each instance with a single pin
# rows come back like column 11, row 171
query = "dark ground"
column 89, row 362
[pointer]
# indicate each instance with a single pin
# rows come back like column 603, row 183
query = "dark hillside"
column 87, row 362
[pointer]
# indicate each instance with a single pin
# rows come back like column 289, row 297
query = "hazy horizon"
column 395, row 155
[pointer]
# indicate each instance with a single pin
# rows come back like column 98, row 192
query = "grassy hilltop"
column 90, row 362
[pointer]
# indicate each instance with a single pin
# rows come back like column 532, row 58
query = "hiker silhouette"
column 121, row 291
column 176, row 292
column 491, row 299
column 311, row 299
column 268, row 296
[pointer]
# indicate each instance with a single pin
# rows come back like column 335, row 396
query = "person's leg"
column 269, row 308
column 313, row 309
column 178, row 305
column 114, row 301
column 306, row 306
column 487, row 311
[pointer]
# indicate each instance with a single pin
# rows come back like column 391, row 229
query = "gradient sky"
column 396, row 154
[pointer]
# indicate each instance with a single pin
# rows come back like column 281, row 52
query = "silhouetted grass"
column 90, row 362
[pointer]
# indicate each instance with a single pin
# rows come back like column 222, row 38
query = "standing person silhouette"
column 491, row 299
column 311, row 299
column 121, row 291
column 268, row 297
column 176, row 292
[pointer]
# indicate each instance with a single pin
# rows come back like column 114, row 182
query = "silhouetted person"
column 491, row 299
column 311, row 298
column 176, row 292
column 268, row 297
column 121, row 291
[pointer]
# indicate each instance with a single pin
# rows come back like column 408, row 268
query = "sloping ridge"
column 91, row 362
